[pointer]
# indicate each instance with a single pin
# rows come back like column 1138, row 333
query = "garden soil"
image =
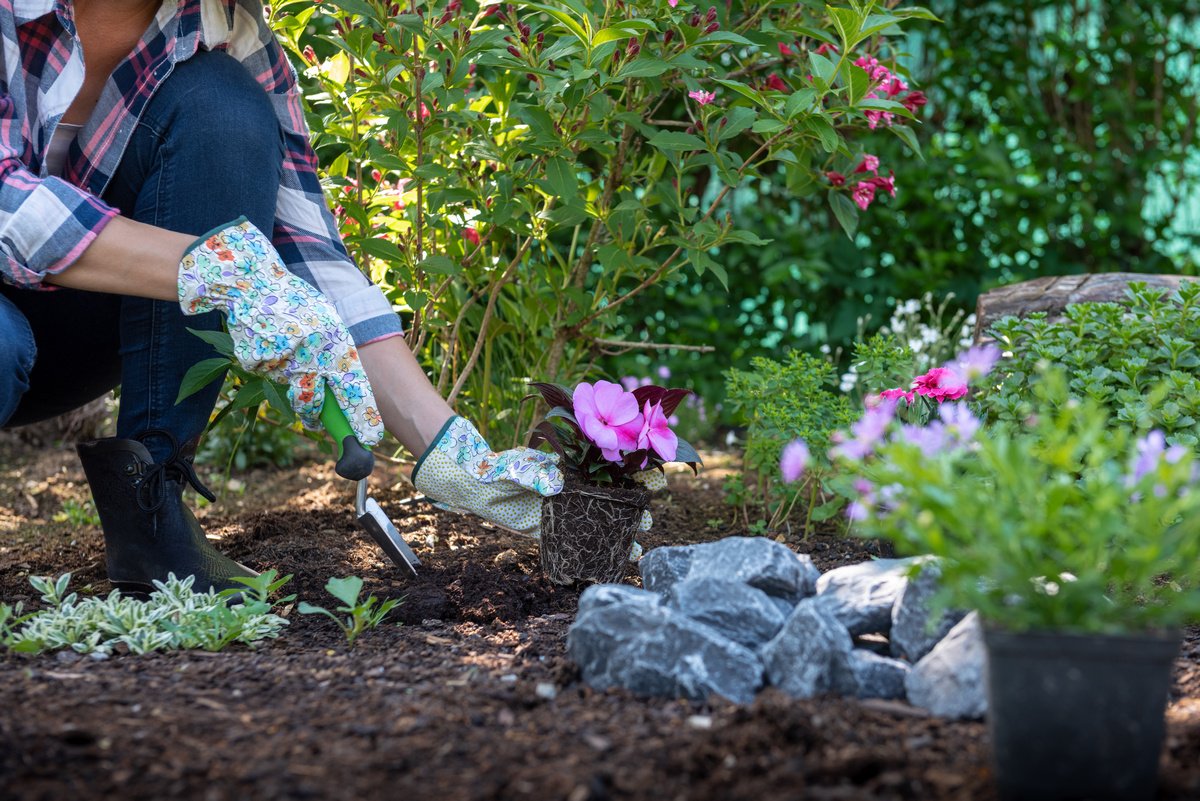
column 471, row 697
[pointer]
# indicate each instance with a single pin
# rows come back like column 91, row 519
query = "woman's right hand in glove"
column 282, row 327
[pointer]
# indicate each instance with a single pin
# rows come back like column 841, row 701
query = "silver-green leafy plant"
column 174, row 617
column 359, row 615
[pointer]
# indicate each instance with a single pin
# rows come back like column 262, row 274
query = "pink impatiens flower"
column 608, row 416
column 656, row 433
column 794, row 460
column 702, row 97
column 672, row 3
column 940, row 384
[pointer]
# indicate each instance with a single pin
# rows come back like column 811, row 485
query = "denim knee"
column 17, row 354
column 211, row 106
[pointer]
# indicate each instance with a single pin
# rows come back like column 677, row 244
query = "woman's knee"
column 211, row 105
column 17, row 354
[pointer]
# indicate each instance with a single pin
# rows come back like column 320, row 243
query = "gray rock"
column 663, row 567
column 864, row 674
column 764, row 564
column 660, row 652
column 601, row 595
column 949, row 681
column 740, row 612
column 862, row 596
column 914, row 632
column 784, row 606
column 808, row 652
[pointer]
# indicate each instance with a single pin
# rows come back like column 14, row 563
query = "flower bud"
column 711, row 15
column 668, row 36
column 715, row 26
column 515, row 52
column 310, row 55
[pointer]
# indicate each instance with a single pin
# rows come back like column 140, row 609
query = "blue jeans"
column 207, row 150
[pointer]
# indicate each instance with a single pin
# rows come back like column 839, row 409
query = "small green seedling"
column 77, row 514
column 360, row 616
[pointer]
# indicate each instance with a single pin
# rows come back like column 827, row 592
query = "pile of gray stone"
column 733, row 616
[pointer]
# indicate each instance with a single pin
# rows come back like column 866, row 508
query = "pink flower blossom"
column 794, row 460
column 471, row 235
column 656, row 433
column 672, row 3
column 776, row 83
column 863, row 194
column 897, row 393
column 702, row 97
column 914, row 100
column 608, row 416
column 826, row 48
column 869, row 163
column 786, row 50
column 940, row 384
column 894, row 87
column 887, row 184
column 835, row 178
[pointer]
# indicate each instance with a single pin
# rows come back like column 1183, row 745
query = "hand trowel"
column 355, row 463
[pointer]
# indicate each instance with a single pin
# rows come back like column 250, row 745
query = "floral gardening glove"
column 282, row 327
column 460, row 472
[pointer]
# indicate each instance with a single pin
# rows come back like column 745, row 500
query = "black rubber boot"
column 148, row 530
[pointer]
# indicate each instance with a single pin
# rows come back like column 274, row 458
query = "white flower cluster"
column 924, row 329
column 173, row 618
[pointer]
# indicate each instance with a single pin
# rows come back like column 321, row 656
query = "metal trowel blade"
column 386, row 536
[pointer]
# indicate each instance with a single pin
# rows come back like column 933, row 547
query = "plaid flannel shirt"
column 46, row 222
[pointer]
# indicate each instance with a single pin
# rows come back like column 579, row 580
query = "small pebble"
column 700, row 721
column 546, row 690
column 509, row 678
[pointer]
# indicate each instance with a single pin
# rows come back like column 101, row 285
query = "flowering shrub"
column 513, row 174
column 1060, row 522
column 608, row 433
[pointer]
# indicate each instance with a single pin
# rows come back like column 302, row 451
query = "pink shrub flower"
column 914, row 100
column 672, row 3
column 940, row 384
column 786, row 50
column 656, row 433
column 701, row 97
column 835, row 178
column 776, row 83
column 869, row 163
column 887, row 184
column 471, row 235
column 608, row 416
column 794, row 460
column 863, row 194
column 826, row 48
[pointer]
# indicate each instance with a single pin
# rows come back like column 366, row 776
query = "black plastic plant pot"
column 1076, row 717
column 587, row 531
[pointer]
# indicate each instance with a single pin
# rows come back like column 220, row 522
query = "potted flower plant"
column 611, row 443
column 1078, row 542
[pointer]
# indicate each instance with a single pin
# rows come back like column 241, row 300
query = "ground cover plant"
column 1136, row 359
column 361, row 614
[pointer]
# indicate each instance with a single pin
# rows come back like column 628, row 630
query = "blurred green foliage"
column 1058, row 139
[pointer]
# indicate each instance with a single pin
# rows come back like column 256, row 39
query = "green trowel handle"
column 354, row 462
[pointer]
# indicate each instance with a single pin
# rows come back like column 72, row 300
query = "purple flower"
column 630, row 383
column 1150, row 449
column 857, row 512
column 608, row 416
column 869, row 429
column 931, row 439
column 664, row 372
column 794, row 460
column 960, row 423
column 656, row 433
column 974, row 363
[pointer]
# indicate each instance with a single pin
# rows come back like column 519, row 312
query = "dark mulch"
column 472, row 698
